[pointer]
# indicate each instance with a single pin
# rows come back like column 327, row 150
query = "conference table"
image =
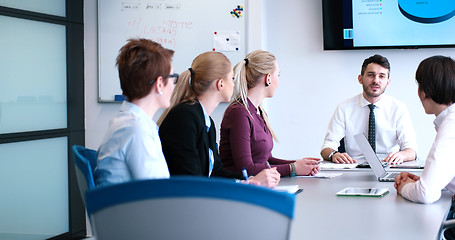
column 321, row 214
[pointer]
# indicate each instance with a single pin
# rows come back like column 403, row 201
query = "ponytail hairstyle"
column 206, row 68
column 247, row 74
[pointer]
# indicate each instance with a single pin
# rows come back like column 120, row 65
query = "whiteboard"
column 189, row 27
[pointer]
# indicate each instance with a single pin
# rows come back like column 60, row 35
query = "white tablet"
column 363, row 192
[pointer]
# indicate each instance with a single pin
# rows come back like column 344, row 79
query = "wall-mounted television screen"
column 358, row 24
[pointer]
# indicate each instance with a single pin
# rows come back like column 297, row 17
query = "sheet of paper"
column 226, row 41
column 323, row 175
column 287, row 188
column 329, row 166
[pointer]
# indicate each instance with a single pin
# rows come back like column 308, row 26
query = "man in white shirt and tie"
column 382, row 118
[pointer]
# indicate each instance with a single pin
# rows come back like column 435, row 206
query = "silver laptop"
column 372, row 159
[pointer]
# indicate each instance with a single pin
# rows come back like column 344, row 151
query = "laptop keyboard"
column 393, row 175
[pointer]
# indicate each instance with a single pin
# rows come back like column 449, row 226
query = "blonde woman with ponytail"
column 246, row 134
column 187, row 131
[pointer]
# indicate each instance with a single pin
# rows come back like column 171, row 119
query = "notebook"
column 372, row 159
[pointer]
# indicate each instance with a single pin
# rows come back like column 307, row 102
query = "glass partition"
column 34, row 185
column 52, row 7
column 32, row 75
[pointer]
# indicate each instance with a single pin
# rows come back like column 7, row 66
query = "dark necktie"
column 372, row 128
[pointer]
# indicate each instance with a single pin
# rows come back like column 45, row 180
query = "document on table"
column 332, row 166
column 287, row 188
column 322, row 175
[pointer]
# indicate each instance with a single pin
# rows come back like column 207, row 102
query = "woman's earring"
column 267, row 84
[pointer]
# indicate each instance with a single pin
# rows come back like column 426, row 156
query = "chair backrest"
column 189, row 208
column 446, row 225
column 85, row 161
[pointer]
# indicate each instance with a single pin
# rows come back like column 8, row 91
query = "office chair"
column 85, row 161
column 189, row 208
column 447, row 224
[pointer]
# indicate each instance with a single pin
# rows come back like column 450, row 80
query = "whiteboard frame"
column 244, row 50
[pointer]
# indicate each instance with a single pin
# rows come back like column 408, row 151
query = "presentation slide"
column 402, row 23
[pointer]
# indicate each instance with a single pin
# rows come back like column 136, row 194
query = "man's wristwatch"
column 331, row 154
column 293, row 172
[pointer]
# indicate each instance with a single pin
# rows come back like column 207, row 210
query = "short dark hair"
column 436, row 78
column 378, row 59
column 140, row 62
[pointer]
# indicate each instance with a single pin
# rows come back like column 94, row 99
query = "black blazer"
column 186, row 142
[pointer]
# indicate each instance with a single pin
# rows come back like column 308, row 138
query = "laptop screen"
column 370, row 155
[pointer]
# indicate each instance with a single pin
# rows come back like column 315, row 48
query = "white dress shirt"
column 394, row 130
column 439, row 171
column 131, row 149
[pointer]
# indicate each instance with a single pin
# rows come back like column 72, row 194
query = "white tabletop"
column 320, row 214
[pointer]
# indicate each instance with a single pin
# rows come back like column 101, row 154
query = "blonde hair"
column 247, row 74
column 206, row 68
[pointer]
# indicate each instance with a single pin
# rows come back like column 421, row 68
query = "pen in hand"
column 268, row 165
column 245, row 174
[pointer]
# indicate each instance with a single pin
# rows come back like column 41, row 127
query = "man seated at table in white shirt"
column 391, row 132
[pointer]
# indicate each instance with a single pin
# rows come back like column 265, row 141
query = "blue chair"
column 85, row 161
column 189, row 208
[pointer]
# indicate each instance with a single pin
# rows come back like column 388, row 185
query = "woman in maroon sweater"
column 187, row 132
column 246, row 136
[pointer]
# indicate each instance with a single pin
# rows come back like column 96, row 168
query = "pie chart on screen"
column 427, row 11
